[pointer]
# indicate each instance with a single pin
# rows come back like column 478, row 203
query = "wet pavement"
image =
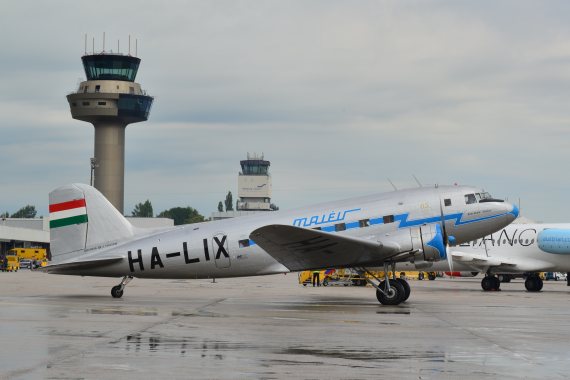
column 58, row 327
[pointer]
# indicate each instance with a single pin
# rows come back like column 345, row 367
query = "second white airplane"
column 89, row 237
column 514, row 250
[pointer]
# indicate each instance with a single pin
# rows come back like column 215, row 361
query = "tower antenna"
column 118, row 46
column 103, row 42
column 136, row 47
column 93, row 47
column 129, row 44
column 85, row 48
column 391, row 183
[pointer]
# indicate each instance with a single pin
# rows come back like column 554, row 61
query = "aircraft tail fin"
column 82, row 219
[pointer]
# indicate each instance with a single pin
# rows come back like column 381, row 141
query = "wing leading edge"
column 302, row 249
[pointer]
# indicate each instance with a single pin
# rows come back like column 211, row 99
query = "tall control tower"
column 110, row 100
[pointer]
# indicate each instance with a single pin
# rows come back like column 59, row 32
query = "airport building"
column 110, row 99
column 26, row 233
column 254, row 189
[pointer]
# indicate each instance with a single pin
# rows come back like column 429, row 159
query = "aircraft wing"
column 82, row 264
column 302, row 249
column 508, row 264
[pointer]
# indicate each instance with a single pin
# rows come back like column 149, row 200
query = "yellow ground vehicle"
column 328, row 277
column 11, row 263
column 412, row 275
column 351, row 277
column 29, row 255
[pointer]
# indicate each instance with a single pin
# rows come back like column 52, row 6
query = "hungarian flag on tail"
column 67, row 213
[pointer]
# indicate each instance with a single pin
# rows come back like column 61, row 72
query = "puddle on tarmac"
column 199, row 313
column 403, row 312
column 379, row 355
column 181, row 346
column 114, row 311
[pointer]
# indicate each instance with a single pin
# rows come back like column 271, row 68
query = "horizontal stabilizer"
column 302, row 249
column 82, row 264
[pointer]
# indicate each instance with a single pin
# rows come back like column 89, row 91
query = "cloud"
column 339, row 96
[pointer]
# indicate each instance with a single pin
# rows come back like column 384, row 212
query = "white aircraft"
column 516, row 249
column 89, row 237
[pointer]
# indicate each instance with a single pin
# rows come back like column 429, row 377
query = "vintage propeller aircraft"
column 89, row 237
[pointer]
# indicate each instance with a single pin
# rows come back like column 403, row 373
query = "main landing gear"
column 117, row 291
column 533, row 283
column 390, row 291
column 490, row 282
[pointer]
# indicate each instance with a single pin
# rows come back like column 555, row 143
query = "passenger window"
column 364, row 223
column 470, row 198
column 244, row 243
column 340, row 227
column 447, row 202
column 388, row 219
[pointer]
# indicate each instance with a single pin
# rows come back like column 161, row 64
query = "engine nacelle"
column 554, row 240
column 429, row 240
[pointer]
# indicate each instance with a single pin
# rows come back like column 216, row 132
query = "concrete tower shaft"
column 110, row 100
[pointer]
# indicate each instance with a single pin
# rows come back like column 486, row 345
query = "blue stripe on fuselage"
column 405, row 223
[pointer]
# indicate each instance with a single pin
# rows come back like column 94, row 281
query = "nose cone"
column 514, row 213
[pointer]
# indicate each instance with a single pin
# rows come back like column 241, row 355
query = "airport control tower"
column 110, row 100
column 254, row 184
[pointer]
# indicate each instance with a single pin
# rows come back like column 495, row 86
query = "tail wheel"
column 116, row 291
column 392, row 297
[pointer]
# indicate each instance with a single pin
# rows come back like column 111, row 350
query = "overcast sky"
column 338, row 95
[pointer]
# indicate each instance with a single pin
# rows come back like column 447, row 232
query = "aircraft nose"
column 514, row 213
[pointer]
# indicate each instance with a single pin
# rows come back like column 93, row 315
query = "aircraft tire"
column 431, row 276
column 533, row 284
column 407, row 289
column 116, row 291
column 326, row 282
column 421, row 276
column 396, row 295
column 489, row 283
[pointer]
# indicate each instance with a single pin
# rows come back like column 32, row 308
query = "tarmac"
column 60, row 327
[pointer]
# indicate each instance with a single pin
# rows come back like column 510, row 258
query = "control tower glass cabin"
column 110, row 100
column 254, row 185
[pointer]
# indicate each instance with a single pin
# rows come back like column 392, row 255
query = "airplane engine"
column 429, row 240
column 554, row 240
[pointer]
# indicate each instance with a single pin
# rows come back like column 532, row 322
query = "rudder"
column 82, row 219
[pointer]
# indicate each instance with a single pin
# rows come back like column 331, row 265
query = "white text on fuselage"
column 316, row 220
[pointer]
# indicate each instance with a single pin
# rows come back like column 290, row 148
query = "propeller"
column 447, row 240
column 450, row 241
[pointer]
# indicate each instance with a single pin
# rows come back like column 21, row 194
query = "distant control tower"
column 254, row 184
column 110, row 100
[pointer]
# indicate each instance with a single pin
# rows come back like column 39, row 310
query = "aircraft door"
column 451, row 205
column 220, row 250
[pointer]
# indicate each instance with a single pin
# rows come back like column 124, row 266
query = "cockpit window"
column 470, row 198
column 478, row 196
column 486, row 196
